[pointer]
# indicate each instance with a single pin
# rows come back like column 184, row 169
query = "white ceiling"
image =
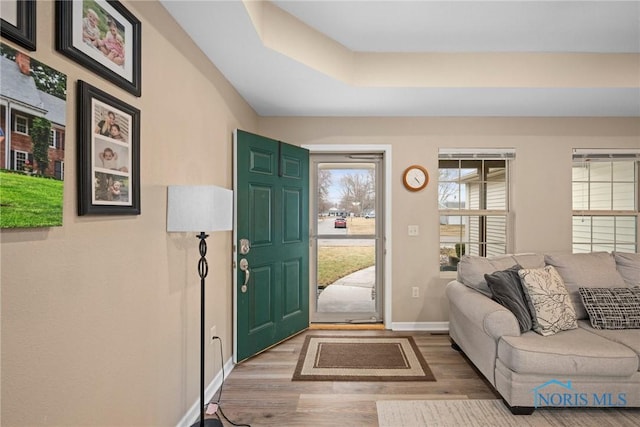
column 277, row 82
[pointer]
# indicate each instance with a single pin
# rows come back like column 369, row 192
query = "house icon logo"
column 539, row 394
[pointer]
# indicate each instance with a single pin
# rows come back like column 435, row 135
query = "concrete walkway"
column 352, row 293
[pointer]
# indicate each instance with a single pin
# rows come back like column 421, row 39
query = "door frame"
column 385, row 150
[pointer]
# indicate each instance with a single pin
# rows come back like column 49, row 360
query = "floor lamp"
column 200, row 209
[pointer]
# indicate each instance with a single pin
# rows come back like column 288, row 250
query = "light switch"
column 414, row 230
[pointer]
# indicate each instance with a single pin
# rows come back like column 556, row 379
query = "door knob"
column 244, row 266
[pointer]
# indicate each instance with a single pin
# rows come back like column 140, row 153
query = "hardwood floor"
column 260, row 392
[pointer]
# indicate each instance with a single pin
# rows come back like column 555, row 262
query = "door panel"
column 292, row 222
column 260, row 224
column 260, row 299
column 272, row 211
column 292, row 303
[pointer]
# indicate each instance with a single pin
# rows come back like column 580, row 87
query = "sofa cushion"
column 567, row 353
column 548, row 300
column 472, row 268
column 626, row 337
column 507, row 290
column 612, row 308
column 591, row 270
column 628, row 265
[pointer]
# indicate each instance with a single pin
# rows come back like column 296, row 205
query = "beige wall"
column 100, row 317
column 541, row 178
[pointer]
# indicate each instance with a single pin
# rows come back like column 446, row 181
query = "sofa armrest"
column 494, row 319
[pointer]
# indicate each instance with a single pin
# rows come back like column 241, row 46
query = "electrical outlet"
column 415, row 292
column 414, row 230
column 214, row 332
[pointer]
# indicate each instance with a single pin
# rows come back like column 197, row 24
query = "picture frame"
column 103, row 36
column 108, row 154
column 18, row 22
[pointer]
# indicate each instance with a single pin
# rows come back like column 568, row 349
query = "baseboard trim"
column 346, row 326
column 193, row 414
column 420, row 326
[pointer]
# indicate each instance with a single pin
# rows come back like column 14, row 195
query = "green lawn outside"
column 335, row 262
column 30, row 201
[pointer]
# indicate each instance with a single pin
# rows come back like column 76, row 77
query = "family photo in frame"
column 102, row 36
column 111, row 148
column 108, row 154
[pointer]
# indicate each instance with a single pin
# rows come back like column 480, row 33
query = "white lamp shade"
column 196, row 208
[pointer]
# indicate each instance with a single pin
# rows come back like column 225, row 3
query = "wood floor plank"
column 260, row 392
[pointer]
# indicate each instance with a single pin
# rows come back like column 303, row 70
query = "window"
column 53, row 138
column 473, row 195
column 20, row 157
column 605, row 200
column 21, row 124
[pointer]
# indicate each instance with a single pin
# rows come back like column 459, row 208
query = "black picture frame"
column 24, row 30
column 108, row 154
column 114, row 53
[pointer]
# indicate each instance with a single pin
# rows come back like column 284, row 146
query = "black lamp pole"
column 203, row 270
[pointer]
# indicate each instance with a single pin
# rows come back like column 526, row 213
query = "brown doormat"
column 340, row 358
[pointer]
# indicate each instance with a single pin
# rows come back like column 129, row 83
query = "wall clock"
column 415, row 178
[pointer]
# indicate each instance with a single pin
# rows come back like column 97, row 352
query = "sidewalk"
column 352, row 293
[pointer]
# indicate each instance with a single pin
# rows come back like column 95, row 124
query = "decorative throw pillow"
column 548, row 300
column 612, row 308
column 507, row 291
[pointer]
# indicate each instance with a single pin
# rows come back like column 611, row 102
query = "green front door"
column 272, row 255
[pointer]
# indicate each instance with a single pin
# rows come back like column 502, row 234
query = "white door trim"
column 234, row 252
column 386, row 150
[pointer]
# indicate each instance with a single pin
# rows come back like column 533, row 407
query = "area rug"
column 346, row 358
column 484, row 413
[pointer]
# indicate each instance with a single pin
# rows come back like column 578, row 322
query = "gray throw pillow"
column 507, row 290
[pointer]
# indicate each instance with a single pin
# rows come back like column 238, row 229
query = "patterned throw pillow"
column 548, row 300
column 612, row 308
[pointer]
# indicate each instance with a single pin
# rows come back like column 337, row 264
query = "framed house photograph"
column 18, row 22
column 104, row 37
column 33, row 127
column 108, row 154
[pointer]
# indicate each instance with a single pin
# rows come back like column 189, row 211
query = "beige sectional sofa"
column 580, row 366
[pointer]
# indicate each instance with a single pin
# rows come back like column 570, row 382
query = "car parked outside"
column 370, row 215
column 340, row 223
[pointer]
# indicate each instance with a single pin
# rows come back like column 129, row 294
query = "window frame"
column 589, row 157
column 26, row 124
column 486, row 161
column 53, row 138
column 16, row 160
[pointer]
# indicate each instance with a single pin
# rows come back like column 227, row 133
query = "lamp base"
column 208, row 422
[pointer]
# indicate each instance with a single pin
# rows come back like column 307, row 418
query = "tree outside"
column 348, row 191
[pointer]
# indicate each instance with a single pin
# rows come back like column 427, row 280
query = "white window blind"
column 608, row 154
column 476, row 153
